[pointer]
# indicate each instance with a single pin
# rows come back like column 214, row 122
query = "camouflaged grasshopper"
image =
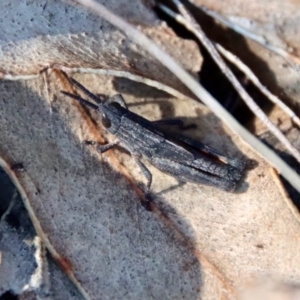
column 181, row 157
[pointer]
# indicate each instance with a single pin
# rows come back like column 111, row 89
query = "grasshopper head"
column 111, row 114
column 110, row 117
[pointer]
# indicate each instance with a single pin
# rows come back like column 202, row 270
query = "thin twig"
column 124, row 74
column 108, row 72
column 247, row 71
column 37, row 225
column 194, row 27
column 197, row 89
column 18, row 77
column 235, row 60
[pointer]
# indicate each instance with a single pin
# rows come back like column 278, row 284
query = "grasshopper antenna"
column 90, row 104
column 85, row 91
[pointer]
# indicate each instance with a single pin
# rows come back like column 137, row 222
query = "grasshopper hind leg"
column 187, row 173
column 145, row 171
column 196, row 145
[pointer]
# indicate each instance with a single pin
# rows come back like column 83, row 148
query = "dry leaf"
column 44, row 35
column 196, row 243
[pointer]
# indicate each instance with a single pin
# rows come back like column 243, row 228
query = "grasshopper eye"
column 106, row 121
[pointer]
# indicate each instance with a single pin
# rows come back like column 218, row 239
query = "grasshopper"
column 179, row 156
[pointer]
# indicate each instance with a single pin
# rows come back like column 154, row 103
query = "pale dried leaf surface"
column 271, row 290
column 37, row 35
column 206, row 244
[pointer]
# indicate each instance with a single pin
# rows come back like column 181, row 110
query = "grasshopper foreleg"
column 102, row 148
